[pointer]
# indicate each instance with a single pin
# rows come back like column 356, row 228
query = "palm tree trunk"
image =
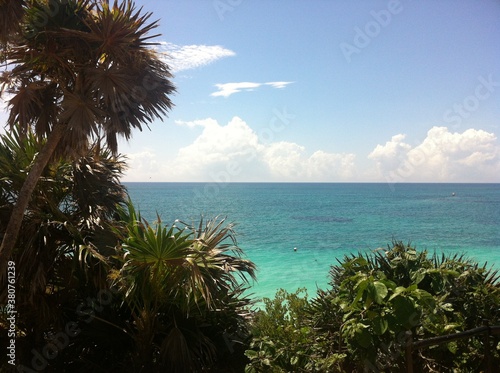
column 16, row 218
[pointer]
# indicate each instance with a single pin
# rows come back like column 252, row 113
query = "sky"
column 325, row 91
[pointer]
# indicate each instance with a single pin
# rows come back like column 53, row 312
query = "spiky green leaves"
column 185, row 266
column 183, row 285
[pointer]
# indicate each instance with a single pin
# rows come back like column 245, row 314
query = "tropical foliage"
column 361, row 321
column 78, row 71
column 183, row 288
column 102, row 289
column 283, row 339
column 85, row 66
column 63, row 234
column 142, row 297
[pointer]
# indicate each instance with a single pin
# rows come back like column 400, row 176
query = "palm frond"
column 11, row 15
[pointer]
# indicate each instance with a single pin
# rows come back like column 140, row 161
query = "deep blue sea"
column 327, row 221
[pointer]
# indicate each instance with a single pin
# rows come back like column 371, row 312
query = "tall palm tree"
column 81, row 70
column 66, row 248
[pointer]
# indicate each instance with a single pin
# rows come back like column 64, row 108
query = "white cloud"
column 393, row 148
column 471, row 156
column 278, row 84
column 142, row 166
column 218, row 143
column 234, row 152
column 4, row 99
column 284, row 159
column 186, row 57
column 4, row 113
column 289, row 162
column 227, row 89
column 322, row 165
column 197, row 123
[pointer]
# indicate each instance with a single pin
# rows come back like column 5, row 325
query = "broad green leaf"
column 424, row 297
column 405, row 311
column 451, row 327
column 412, row 287
column 377, row 291
column 364, row 338
column 418, row 276
column 251, row 354
column 361, row 286
column 397, row 291
column 389, row 284
column 447, row 307
column 380, row 325
column 250, row 369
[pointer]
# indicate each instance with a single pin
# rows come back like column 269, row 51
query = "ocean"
column 295, row 232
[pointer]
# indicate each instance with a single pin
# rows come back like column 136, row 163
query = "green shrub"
column 372, row 302
column 283, row 338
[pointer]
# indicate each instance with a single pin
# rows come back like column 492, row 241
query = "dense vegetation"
column 79, row 72
column 98, row 288
column 360, row 322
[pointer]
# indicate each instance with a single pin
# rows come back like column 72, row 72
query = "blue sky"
column 329, row 91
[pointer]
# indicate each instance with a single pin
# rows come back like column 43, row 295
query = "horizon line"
column 314, row 182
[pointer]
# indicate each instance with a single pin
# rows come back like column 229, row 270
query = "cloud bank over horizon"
column 236, row 153
column 443, row 156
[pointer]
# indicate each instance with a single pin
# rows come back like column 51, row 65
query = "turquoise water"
column 326, row 221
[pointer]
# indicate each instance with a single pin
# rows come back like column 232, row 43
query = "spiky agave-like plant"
column 184, row 287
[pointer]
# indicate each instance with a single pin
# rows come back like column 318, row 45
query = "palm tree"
column 178, row 292
column 184, row 287
column 66, row 248
column 11, row 14
column 81, row 70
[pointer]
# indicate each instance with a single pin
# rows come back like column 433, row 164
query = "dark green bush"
column 360, row 322
column 285, row 341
